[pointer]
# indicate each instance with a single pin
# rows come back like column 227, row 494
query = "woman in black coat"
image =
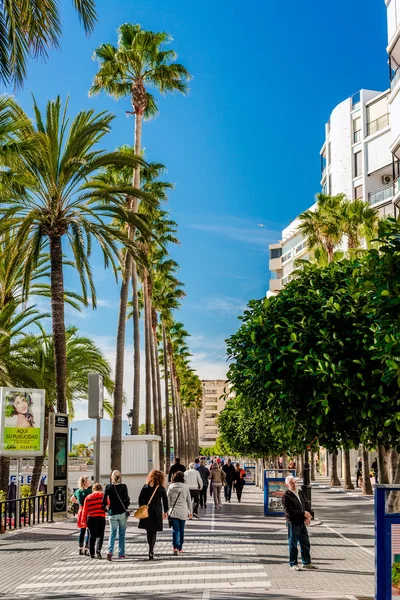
column 154, row 492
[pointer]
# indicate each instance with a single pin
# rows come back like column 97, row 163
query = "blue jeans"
column 178, row 533
column 298, row 534
column 228, row 491
column 117, row 523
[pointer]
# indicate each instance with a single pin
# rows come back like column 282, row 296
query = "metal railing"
column 395, row 76
column 383, row 193
column 25, row 512
column 377, row 124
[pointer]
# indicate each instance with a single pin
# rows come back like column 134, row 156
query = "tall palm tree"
column 138, row 63
column 32, row 365
column 323, row 227
column 62, row 201
column 29, row 28
column 359, row 222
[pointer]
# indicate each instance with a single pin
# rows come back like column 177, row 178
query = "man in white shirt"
column 195, row 484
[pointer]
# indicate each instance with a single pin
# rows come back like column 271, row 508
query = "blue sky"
column 242, row 148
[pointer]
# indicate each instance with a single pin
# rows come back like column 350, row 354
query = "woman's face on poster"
column 21, row 405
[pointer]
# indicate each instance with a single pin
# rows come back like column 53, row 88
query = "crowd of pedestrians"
column 187, row 490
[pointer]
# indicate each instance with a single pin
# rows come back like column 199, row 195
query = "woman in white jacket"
column 180, row 504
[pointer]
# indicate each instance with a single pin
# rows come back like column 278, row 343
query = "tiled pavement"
column 234, row 553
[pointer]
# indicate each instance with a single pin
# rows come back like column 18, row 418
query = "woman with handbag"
column 116, row 500
column 153, row 507
column 181, row 508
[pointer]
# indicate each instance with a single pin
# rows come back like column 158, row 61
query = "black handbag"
column 169, row 516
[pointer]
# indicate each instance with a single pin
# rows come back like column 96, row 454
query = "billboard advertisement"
column 21, row 422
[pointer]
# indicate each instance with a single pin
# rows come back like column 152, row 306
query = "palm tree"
column 32, row 365
column 138, row 63
column 29, row 28
column 62, row 201
column 322, row 227
column 359, row 222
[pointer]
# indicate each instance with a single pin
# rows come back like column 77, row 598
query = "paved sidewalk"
column 233, row 553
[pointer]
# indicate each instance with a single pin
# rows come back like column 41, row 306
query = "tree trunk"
column 335, row 482
column 348, row 485
column 284, row 460
column 393, row 462
column 58, row 322
column 116, row 430
column 159, row 400
column 4, row 473
column 167, row 419
column 298, row 466
column 136, row 351
column 39, row 460
column 147, row 355
column 157, row 420
column 135, row 287
column 382, row 464
column 312, row 466
column 366, row 483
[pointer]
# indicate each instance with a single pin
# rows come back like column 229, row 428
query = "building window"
column 356, row 130
column 358, row 192
column 211, row 391
column 276, row 252
column 357, row 164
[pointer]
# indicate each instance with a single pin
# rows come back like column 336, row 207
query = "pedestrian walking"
column 94, row 517
column 153, row 495
column 298, row 516
column 358, row 469
column 374, row 468
column 197, row 463
column 176, row 467
column 229, row 471
column 204, row 473
column 180, row 503
column 195, row 484
column 116, row 498
column 78, row 497
column 217, row 478
column 240, row 475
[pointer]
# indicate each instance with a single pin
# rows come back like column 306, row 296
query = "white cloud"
column 241, row 230
column 225, row 305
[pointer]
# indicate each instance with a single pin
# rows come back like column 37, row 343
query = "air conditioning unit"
column 386, row 179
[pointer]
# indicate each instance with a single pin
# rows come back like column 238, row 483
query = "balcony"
column 275, row 285
column 377, row 124
column 384, row 193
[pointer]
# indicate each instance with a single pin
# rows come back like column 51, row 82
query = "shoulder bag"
column 143, row 511
column 127, row 512
column 169, row 516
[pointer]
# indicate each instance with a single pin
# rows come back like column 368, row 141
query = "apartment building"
column 212, row 405
column 356, row 160
column 393, row 50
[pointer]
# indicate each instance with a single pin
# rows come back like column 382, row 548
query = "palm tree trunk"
column 58, row 321
column 366, row 480
column 136, row 351
column 348, row 485
column 382, row 464
column 312, row 466
column 335, row 481
column 4, row 473
column 39, row 460
column 158, row 379
column 147, row 355
column 157, row 427
column 116, row 430
column 135, row 288
column 167, row 419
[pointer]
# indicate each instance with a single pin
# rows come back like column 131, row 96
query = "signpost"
column 96, row 411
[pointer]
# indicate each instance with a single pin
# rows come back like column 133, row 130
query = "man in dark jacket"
column 229, row 471
column 297, row 512
column 176, row 467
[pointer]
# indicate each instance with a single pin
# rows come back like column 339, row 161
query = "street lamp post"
column 70, row 437
column 306, row 487
column 130, row 419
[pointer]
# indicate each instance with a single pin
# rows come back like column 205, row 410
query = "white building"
column 393, row 49
column 355, row 160
column 213, row 402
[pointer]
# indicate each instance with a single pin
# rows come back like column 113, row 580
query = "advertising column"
column 21, row 422
column 57, row 478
